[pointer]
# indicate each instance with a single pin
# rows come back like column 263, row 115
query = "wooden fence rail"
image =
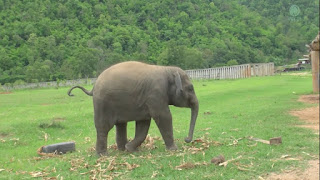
column 227, row 72
column 233, row 72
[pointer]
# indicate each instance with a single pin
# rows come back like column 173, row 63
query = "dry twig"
column 226, row 162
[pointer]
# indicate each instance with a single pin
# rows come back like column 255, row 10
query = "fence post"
column 249, row 71
column 315, row 70
column 314, row 46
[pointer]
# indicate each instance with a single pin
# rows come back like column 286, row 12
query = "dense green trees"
column 42, row 40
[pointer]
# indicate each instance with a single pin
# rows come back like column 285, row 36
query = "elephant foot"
column 122, row 148
column 130, row 148
column 172, row 147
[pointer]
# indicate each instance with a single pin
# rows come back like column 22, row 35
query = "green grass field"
column 230, row 112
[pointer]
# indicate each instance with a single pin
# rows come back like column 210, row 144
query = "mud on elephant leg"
column 164, row 123
column 121, row 136
column 142, row 128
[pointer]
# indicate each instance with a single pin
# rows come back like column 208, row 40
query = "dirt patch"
column 5, row 92
column 312, row 98
column 3, row 135
column 311, row 173
column 309, row 115
column 297, row 74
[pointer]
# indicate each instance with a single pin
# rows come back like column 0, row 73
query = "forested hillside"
column 42, row 40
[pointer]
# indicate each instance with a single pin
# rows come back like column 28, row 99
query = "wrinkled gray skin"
column 134, row 91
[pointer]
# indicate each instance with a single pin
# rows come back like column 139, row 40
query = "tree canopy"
column 42, row 40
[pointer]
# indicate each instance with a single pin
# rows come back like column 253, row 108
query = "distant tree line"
column 43, row 40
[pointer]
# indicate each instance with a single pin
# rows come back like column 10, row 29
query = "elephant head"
column 183, row 95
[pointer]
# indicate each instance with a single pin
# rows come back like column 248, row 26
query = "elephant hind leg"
column 103, row 125
column 142, row 128
column 102, row 139
column 121, row 136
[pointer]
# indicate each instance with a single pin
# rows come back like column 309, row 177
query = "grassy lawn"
column 230, row 112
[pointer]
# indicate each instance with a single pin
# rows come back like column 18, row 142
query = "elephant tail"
column 89, row 93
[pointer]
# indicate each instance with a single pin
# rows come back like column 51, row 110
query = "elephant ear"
column 178, row 83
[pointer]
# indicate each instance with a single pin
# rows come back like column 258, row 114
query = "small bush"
column 19, row 82
column 232, row 62
column 8, row 84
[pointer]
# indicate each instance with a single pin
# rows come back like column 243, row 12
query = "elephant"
column 135, row 91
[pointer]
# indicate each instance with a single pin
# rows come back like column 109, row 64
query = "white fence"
column 227, row 72
column 233, row 72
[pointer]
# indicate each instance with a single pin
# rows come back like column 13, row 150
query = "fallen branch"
column 309, row 154
column 259, row 140
column 276, row 140
column 226, row 162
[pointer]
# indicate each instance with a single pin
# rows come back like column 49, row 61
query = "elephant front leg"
column 163, row 120
column 142, row 128
column 121, row 136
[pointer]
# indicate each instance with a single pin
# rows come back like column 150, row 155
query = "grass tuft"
column 53, row 124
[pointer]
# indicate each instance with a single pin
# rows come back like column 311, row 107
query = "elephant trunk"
column 194, row 115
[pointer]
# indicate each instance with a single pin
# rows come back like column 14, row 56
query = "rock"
column 217, row 160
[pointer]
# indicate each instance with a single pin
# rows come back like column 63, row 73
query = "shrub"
column 19, row 82
column 232, row 62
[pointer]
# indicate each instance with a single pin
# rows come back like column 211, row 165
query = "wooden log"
column 276, row 140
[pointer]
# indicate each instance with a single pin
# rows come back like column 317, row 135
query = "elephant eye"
column 190, row 88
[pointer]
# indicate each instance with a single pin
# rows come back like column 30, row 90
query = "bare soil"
column 312, row 98
column 311, row 117
column 5, row 92
column 311, row 173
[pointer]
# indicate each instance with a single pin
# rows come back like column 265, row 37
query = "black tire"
column 60, row 148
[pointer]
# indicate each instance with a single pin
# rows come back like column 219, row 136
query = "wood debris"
column 228, row 161
column 38, row 174
column 154, row 174
column 259, row 140
column 272, row 141
column 149, row 142
column 190, row 165
column 285, row 157
column 234, row 141
column 130, row 166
